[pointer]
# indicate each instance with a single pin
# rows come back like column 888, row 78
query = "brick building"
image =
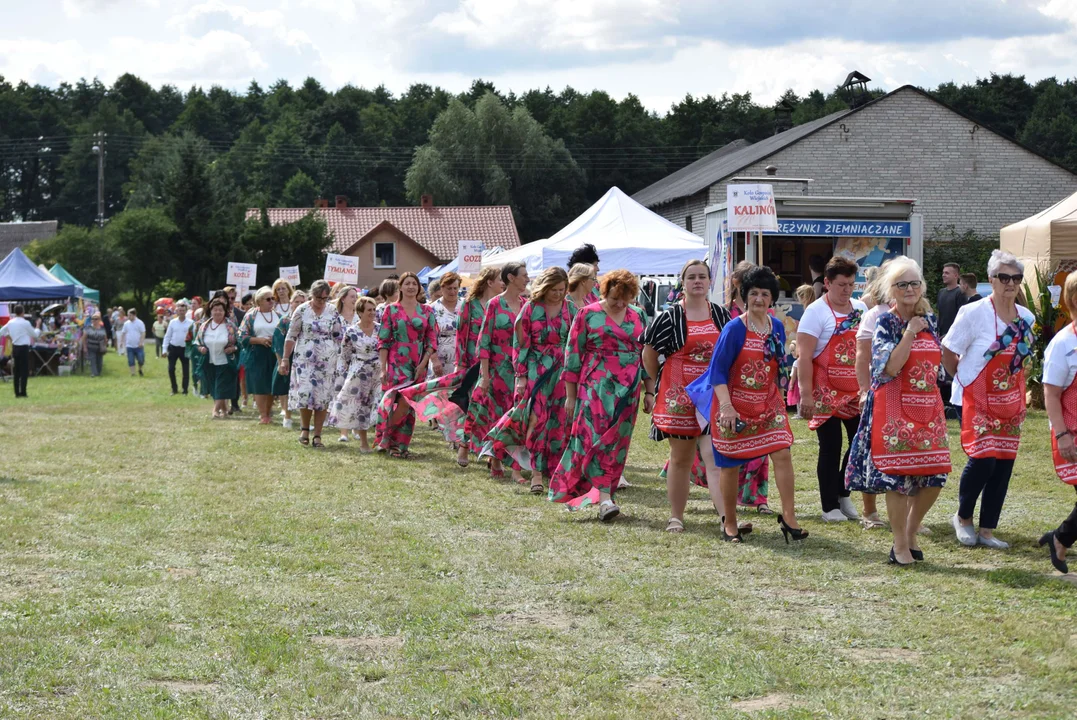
column 394, row 240
column 903, row 145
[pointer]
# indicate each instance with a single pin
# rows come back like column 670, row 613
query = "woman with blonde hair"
column 218, row 343
column 281, row 382
column 259, row 362
column 531, row 435
column 582, row 280
column 407, row 342
column 346, row 297
column 677, row 349
column 602, row 377
column 282, row 296
column 446, row 312
column 900, row 447
column 492, row 395
column 446, row 398
column 389, row 290
column 358, row 383
column 1060, row 395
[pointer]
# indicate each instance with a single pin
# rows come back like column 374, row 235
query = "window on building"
column 385, row 255
column 688, row 223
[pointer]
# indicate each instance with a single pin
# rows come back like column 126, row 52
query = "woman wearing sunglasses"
column 986, row 351
column 900, row 448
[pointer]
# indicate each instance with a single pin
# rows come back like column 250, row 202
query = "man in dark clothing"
column 968, row 286
column 951, row 298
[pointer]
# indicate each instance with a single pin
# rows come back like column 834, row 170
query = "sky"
column 659, row 50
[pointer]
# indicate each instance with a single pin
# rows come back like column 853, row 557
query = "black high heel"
column 797, row 533
column 917, row 555
column 1049, row 541
column 894, row 561
column 731, row 538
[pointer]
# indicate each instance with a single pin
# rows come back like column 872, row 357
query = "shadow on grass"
column 5, row 480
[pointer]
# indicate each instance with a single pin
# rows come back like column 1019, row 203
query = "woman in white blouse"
column 986, row 351
column 259, row 362
column 1060, row 395
column 446, row 311
column 217, row 340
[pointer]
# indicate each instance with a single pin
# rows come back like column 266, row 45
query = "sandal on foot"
column 674, row 526
column 304, row 436
column 399, row 454
column 764, row 509
column 537, row 488
column 497, row 474
column 607, row 511
column 316, row 442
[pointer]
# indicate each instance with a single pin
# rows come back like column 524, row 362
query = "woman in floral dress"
column 310, row 354
column 492, row 396
column 282, row 381
column 407, row 341
column 602, row 378
column 446, row 311
column 358, row 383
column 446, row 398
column 531, row 435
column 901, row 447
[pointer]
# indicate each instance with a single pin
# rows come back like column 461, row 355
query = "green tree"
column 87, row 253
column 494, row 156
column 300, row 191
column 303, row 243
column 145, row 240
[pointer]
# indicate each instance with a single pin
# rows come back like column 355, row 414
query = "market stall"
column 1047, row 240
column 59, row 272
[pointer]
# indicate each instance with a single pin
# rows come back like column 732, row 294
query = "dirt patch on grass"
column 536, row 618
column 1071, row 578
column 180, row 573
column 880, row 654
column 183, row 686
column 777, row 701
column 369, row 644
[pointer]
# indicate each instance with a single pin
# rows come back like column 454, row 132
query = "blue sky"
column 658, row 49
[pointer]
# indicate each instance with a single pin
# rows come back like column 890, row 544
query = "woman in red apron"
column 1060, row 394
column 829, row 392
column 901, row 447
column 685, row 336
column 986, row 351
column 743, row 396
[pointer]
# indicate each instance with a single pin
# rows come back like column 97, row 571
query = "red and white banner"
column 242, row 274
column 469, row 257
column 342, row 268
column 751, row 208
column 290, row 275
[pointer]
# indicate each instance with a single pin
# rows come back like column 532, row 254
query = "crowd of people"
column 544, row 377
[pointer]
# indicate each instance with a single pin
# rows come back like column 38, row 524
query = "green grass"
column 156, row 564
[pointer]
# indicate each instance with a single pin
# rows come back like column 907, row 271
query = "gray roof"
column 724, row 162
column 19, row 235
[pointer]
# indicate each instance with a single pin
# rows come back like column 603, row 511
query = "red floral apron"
column 908, row 422
column 675, row 414
column 993, row 408
column 756, row 396
column 1066, row 470
column 835, row 389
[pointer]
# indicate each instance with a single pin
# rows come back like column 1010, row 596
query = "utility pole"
column 99, row 151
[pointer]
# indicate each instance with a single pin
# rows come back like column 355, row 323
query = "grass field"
column 154, row 563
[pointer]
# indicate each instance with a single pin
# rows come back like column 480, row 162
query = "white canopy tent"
column 626, row 235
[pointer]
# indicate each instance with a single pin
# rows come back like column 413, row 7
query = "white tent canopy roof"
column 626, row 235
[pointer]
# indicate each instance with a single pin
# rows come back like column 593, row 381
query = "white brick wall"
column 908, row 146
column 678, row 210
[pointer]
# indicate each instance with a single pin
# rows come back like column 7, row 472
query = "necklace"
column 213, row 327
column 264, row 318
column 751, row 326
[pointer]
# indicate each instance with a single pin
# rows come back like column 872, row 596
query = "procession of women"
column 542, row 379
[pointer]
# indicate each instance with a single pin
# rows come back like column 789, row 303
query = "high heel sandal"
column 894, row 561
column 738, row 538
column 304, row 440
column 1060, row 564
column 797, row 533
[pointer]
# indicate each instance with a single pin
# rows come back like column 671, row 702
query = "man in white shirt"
column 134, row 334
column 22, row 335
column 174, row 344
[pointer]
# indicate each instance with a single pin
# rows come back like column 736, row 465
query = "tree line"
column 192, row 162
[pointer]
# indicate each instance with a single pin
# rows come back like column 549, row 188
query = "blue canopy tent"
column 20, row 279
column 422, row 274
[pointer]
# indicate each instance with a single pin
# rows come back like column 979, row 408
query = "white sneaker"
column 966, row 535
column 608, row 510
column 287, row 423
column 992, row 542
column 834, row 516
column 342, row 438
column 848, row 509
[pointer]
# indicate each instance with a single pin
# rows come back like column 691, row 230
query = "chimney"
column 855, row 89
column 321, row 203
column 783, row 117
column 342, row 202
column 427, row 201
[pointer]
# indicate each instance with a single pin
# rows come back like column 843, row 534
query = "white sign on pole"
column 242, row 274
column 342, row 268
column 469, row 257
column 751, row 208
column 290, row 275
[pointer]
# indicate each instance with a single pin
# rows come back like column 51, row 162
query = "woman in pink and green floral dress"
column 603, row 368
column 441, row 398
column 407, row 341
column 492, row 396
column 531, row 435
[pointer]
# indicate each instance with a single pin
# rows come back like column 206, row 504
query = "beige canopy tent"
column 1047, row 239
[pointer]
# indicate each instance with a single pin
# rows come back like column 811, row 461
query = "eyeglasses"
column 906, row 284
column 1006, row 278
column 321, row 297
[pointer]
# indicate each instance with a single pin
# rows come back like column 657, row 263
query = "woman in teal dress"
column 259, row 361
column 282, row 383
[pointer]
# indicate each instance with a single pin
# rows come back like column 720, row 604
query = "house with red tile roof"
column 394, row 240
